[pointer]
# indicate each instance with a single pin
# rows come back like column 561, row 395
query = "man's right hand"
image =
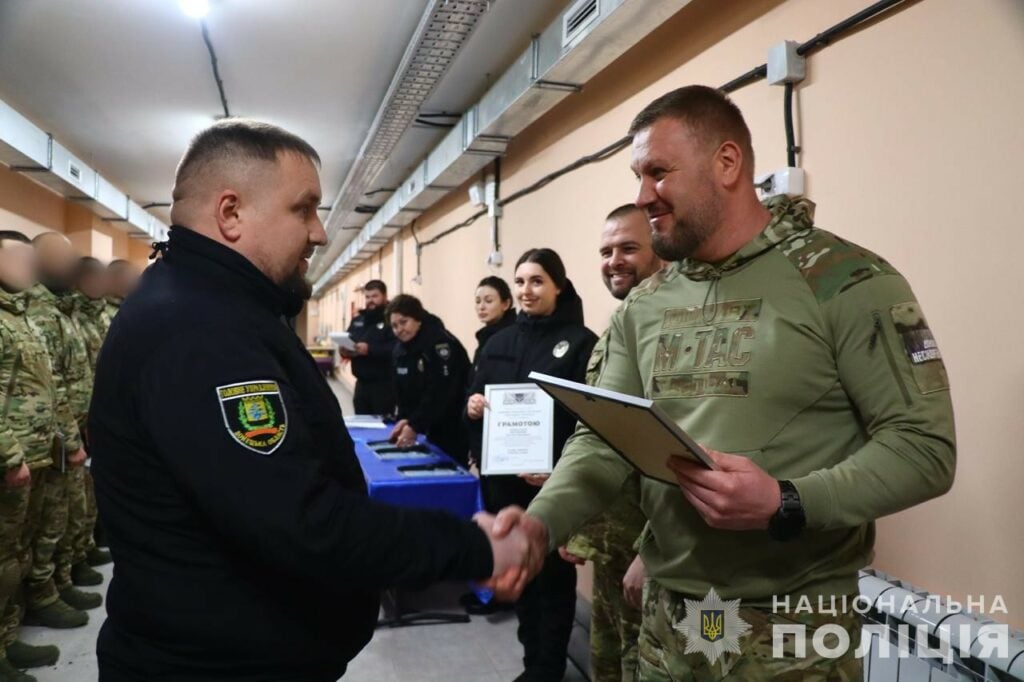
column 18, row 477
column 633, row 583
column 77, row 458
column 475, row 406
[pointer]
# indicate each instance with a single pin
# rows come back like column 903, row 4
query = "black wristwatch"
column 789, row 521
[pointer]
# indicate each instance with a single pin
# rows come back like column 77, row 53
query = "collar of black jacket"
column 487, row 331
column 189, row 249
column 373, row 315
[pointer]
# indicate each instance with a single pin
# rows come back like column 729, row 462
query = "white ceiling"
column 126, row 83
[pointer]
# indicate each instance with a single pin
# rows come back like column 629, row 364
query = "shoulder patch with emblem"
column 444, row 351
column 560, row 349
column 254, row 414
column 380, row 325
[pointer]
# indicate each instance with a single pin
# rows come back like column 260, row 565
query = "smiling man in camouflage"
column 804, row 357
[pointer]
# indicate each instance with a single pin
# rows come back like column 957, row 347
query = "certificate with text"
column 518, row 430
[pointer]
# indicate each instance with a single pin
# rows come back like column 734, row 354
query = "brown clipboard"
column 636, row 428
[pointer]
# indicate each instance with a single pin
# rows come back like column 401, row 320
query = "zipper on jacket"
column 879, row 335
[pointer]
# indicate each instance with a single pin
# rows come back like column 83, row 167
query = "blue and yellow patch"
column 254, row 414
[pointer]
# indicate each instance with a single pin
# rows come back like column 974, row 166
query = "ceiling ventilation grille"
column 576, row 20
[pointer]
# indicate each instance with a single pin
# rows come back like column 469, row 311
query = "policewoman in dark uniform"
column 246, row 547
column 371, row 361
column 494, row 308
column 431, row 368
column 548, row 337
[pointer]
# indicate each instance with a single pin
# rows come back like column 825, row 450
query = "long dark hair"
column 499, row 285
column 568, row 305
column 549, row 260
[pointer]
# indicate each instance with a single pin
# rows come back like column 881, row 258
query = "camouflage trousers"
column 73, row 544
column 663, row 657
column 87, row 541
column 13, row 514
column 46, row 523
column 614, row 626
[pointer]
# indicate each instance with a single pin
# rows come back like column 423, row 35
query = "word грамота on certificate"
column 518, row 430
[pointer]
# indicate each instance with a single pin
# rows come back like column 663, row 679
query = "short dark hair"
column 14, row 236
column 549, row 260
column 87, row 265
column 117, row 264
column 407, row 305
column 376, row 285
column 499, row 285
column 240, row 139
column 707, row 111
column 623, row 211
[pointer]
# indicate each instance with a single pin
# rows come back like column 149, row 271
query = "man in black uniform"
column 245, row 544
column 371, row 362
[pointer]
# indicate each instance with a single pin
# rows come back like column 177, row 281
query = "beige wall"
column 910, row 128
column 30, row 208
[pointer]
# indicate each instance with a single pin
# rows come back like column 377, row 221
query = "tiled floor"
column 484, row 650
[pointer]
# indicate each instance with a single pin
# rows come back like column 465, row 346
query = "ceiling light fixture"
column 197, row 9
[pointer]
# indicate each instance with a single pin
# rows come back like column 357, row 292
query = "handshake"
column 520, row 545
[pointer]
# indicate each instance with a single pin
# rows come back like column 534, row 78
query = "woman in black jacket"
column 548, row 337
column 494, row 308
column 431, row 368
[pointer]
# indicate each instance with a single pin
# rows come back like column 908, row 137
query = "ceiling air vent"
column 577, row 19
column 74, row 172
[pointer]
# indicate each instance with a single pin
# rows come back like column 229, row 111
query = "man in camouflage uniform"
column 626, row 260
column 121, row 280
column 802, row 364
column 29, row 427
column 90, row 315
column 52, row 600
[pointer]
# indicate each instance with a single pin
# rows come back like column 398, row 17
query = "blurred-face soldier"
column 28, row 430
column 626, row 260
column 802, row 363
column 52, row 599
column 122, row 278
column 91, row 318
column 236, row 510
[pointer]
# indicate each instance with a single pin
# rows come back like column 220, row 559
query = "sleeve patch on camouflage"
column 920, row 347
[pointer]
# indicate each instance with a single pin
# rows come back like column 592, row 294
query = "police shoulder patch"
column 444, row 351
column 254, row 414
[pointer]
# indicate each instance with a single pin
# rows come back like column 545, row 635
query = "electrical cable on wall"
column 755, row 74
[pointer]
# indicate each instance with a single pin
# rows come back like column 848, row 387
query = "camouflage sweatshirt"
column 112, row 307
column 807, row 354
column 28, row 396
column 90, row 315
column 68, row 356
column 610, row 537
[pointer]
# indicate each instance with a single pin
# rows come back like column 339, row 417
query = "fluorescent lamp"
column 197, row 9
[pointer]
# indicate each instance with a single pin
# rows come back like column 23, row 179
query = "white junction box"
column 788, row 181
column 785, row 65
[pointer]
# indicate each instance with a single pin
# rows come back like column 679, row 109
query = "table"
column 388, row 480
column 324, row 358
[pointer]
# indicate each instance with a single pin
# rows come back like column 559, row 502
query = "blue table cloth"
column 458, row 492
